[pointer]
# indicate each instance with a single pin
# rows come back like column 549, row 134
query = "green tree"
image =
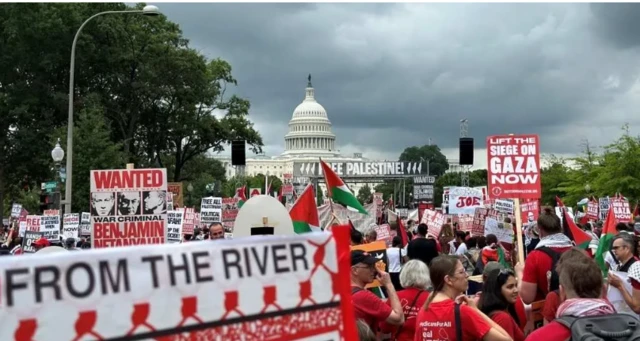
column 35, row 45
column 364, row 194
column 93, row 149
column 29, row 199
column 157, row 94
column 386, row 188
column 618, row 168
column 438, row 163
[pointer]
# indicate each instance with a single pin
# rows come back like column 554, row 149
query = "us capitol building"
column 309, row 138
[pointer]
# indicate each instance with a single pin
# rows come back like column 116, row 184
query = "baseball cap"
column 490, row 267
column 359, row 256
column 41, row 242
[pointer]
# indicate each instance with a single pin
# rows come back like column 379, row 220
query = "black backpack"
column 613, row 327
column 552, row 276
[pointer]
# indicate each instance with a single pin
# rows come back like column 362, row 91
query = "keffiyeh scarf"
column 579, row 307
column 555, row 240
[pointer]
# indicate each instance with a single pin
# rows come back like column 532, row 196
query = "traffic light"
column 46, row 201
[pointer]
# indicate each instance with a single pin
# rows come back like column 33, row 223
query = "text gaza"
column 128, row 179
column 83, row 279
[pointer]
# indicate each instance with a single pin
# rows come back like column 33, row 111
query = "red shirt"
column 406, row 297
column 521, row 312
column 507, row 322
column 553, row 331
column 370, row 308
column 551, row 304
column 536, row 267
column 438, row 323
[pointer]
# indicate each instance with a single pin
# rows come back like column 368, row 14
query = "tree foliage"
column 613, row 169
column 156, row 101
column 430, row 154
column 364, row 194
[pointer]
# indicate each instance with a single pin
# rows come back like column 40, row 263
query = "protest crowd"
column 488, row 265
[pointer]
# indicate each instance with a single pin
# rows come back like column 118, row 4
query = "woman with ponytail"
column 450, row 315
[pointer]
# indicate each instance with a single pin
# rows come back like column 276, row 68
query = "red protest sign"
column 514, row 166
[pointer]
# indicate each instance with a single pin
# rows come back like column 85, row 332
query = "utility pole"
column 464, row 132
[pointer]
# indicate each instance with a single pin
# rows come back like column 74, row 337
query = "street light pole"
column 57, row 154
column 148, row 10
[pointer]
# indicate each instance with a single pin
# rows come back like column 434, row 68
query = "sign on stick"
column 514, row 166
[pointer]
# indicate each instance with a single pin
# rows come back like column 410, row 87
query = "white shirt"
column 462, row 248
column 393, row 255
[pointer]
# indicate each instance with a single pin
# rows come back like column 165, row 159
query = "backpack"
column 552, row 276
column 613, row 327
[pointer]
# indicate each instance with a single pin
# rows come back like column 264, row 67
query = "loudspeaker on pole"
column 466, row 151
column 238, row 157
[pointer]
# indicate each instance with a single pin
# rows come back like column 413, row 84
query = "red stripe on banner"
column 342, row 235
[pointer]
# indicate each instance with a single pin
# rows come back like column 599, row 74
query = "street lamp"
column 57, row 154
column 148, row 10
column 189, row 190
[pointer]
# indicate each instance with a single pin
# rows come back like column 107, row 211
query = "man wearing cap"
column 369, row 307
column 41, row 244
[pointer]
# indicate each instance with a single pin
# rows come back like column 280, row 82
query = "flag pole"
column 333, row 214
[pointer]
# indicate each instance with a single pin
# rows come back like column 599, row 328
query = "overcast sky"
column 395, row 75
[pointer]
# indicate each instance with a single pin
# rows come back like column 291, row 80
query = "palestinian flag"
column 240, row 195
column 490, row 254
column 304, row 212
column 571, row 230
column 338, row 191
column 403, row 233
column 608, row 232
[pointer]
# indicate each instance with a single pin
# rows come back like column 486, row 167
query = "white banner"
column 464, row 200
column 504, row 232
column 70, row 225
column 211, row 210
column 359, row 220
column 244, row 289
column 504, row 206
column 50, row 227
column 174, row 226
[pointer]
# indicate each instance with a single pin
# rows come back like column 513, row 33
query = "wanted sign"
column 275, row 286
column 128, row 207
column 30, row 237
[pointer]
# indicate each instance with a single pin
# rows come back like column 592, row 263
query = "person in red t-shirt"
column 581, row 286
column 518, row 305
column 414, row 277
column 551, row 305
column 437, row 319
column 499, row 295
column 367, row 306
column 537, row 266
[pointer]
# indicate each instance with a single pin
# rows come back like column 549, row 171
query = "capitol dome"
column 310, row 129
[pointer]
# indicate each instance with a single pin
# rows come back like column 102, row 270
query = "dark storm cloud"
column 618, row 24
column 395, row 75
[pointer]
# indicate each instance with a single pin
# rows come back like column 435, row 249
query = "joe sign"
column 514, row 166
